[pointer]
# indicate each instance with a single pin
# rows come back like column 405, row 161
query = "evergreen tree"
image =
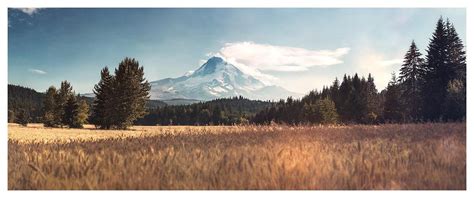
column 392, row 110
column 456, row 54
column 454, row 107
column 11, row 116
column 63, row 95
column 410, row 80
column 326, row 110
column 23, row 117
column 455, row 103
column 50, row 118
column 345, row 91
column 130, row 93
column 76, row 112
column 310, row 112
column 80, row 114
column 103, row 105
column 372, row 101
column 204, row 117
column 70, row 110
column 217, row 116
column 437, row 74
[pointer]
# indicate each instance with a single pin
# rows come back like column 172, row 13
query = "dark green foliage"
column 327, row 113
column 103, row 105
column 393, row 111
column 455, row 103
column 23, row 117
column 50, row 118
column 410, row 79
column 76, row 112
column 121, row 99
column 226, row 111
column 355, row 100
column 445, row 62
column 322, row 111
column 22, row 98
column 73, row 113
column 62, row 97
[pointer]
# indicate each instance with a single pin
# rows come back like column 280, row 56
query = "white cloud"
column 29, row 11
column 264, row 57
column 379, row 66
column 37, row 71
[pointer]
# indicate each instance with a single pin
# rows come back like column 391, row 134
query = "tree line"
column 224, row 111
column 24, row 105
column 427, row 89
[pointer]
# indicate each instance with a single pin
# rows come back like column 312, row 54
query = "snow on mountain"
column 216, row 79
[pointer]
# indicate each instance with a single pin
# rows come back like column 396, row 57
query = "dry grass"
column 414, row 156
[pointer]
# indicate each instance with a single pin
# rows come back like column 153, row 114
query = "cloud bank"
column 266, row 57
column 37, row 71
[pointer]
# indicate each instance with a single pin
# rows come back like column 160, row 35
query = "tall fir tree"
column 372, row 111
column 64, row 93
column 50, row 118
column 410, row 79
column 392, row 110
column 437, row 76
column 103, row 105
column 454, row 106
column 130, row 93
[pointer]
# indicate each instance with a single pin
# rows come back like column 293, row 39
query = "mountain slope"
column 216, row 79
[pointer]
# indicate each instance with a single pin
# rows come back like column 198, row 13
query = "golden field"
column 391, row 156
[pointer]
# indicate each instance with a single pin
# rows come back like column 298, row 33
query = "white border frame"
column 5, row 4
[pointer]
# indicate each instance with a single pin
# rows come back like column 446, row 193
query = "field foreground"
column 410, row 156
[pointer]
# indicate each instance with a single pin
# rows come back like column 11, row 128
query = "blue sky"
column 299, row 49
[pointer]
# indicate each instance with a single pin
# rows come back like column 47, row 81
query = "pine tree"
column 70, row 111
column 130, row 93
column 81, row 113
column 372, row 112
column 217, row 116
column 103, row 102
column 392, row 110
column 326, row 110
column 23, row 117
column 63, row 95
column 358, row 107
column 437, row 75
column 455, row 103
column 454, row 107
column 204, row 117
column 50, row 118
column 76, row 112
column 345, row 92
column 410, row 80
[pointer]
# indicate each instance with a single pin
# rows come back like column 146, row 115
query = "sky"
column 298, row 49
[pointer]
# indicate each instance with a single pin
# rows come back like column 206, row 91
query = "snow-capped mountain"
column 216, row 79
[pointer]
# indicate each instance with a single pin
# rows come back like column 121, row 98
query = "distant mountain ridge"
column 216, row 79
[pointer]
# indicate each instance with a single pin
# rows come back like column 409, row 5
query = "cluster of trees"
column 354, row 100
column 24, row 105
column 225, row 111
column 431, row 88
column 427, row 89
column 121, row 98
column 64, row 108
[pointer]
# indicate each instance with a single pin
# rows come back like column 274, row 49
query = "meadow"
column 389, row 156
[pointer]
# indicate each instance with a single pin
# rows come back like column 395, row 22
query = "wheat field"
column 391, row 156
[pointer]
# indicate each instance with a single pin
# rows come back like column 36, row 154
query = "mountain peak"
column 210, row 66
column 215, row 79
